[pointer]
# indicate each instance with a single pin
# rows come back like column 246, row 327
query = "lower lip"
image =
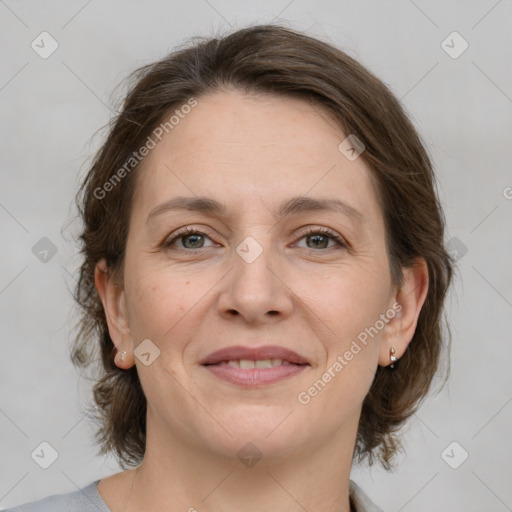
column 255, row 377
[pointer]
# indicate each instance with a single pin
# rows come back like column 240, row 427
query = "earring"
column 392, row 357
column 123, row 355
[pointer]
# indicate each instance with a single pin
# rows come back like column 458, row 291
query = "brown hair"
column 277, row 60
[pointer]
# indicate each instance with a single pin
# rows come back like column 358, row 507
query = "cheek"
column 154, row 302
column 349, row 299
column 163, row 301
column 349, row 316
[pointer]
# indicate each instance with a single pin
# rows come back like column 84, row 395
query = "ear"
column 112, row 296
column 411, row 297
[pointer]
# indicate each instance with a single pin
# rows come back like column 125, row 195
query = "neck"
column 185, row 477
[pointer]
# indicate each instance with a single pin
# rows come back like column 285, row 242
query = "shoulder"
column 86, row 499
column 360, row 500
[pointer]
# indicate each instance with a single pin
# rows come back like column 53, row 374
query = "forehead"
column 248, row 149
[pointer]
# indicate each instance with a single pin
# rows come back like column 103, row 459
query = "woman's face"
column 265, row 269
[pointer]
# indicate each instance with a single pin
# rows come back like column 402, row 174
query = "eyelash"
column 331, row 235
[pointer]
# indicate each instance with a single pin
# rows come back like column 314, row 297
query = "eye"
column 320, row 238
column 190, row 239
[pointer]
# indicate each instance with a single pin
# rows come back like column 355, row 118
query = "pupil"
column 316, row 237
column 197, row 237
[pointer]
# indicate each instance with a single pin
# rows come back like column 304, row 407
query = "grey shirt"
column 88, row 499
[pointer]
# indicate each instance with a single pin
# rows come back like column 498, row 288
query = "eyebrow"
column 293, row 206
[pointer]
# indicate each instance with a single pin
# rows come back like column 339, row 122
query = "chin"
column 268, row 435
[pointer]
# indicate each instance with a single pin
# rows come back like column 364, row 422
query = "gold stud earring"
column 392, row 357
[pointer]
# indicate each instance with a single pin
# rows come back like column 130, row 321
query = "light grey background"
column 463, row 109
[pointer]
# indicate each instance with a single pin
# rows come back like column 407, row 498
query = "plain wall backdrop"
column 459, row 98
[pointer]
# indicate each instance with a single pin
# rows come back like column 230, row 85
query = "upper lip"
column 254, row 354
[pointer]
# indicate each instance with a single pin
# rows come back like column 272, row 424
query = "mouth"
column 248, row 367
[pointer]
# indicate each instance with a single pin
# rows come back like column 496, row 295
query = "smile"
column 248, row 373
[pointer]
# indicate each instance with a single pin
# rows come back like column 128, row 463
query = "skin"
column 252, row 153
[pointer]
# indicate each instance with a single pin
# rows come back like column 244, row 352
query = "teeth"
column 247, row 364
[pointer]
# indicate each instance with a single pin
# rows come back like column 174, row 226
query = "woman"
column 265, row 274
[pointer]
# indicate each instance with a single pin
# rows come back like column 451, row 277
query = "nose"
column 256, row 289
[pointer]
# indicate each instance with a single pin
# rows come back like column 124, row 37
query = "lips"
column 254, row 354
